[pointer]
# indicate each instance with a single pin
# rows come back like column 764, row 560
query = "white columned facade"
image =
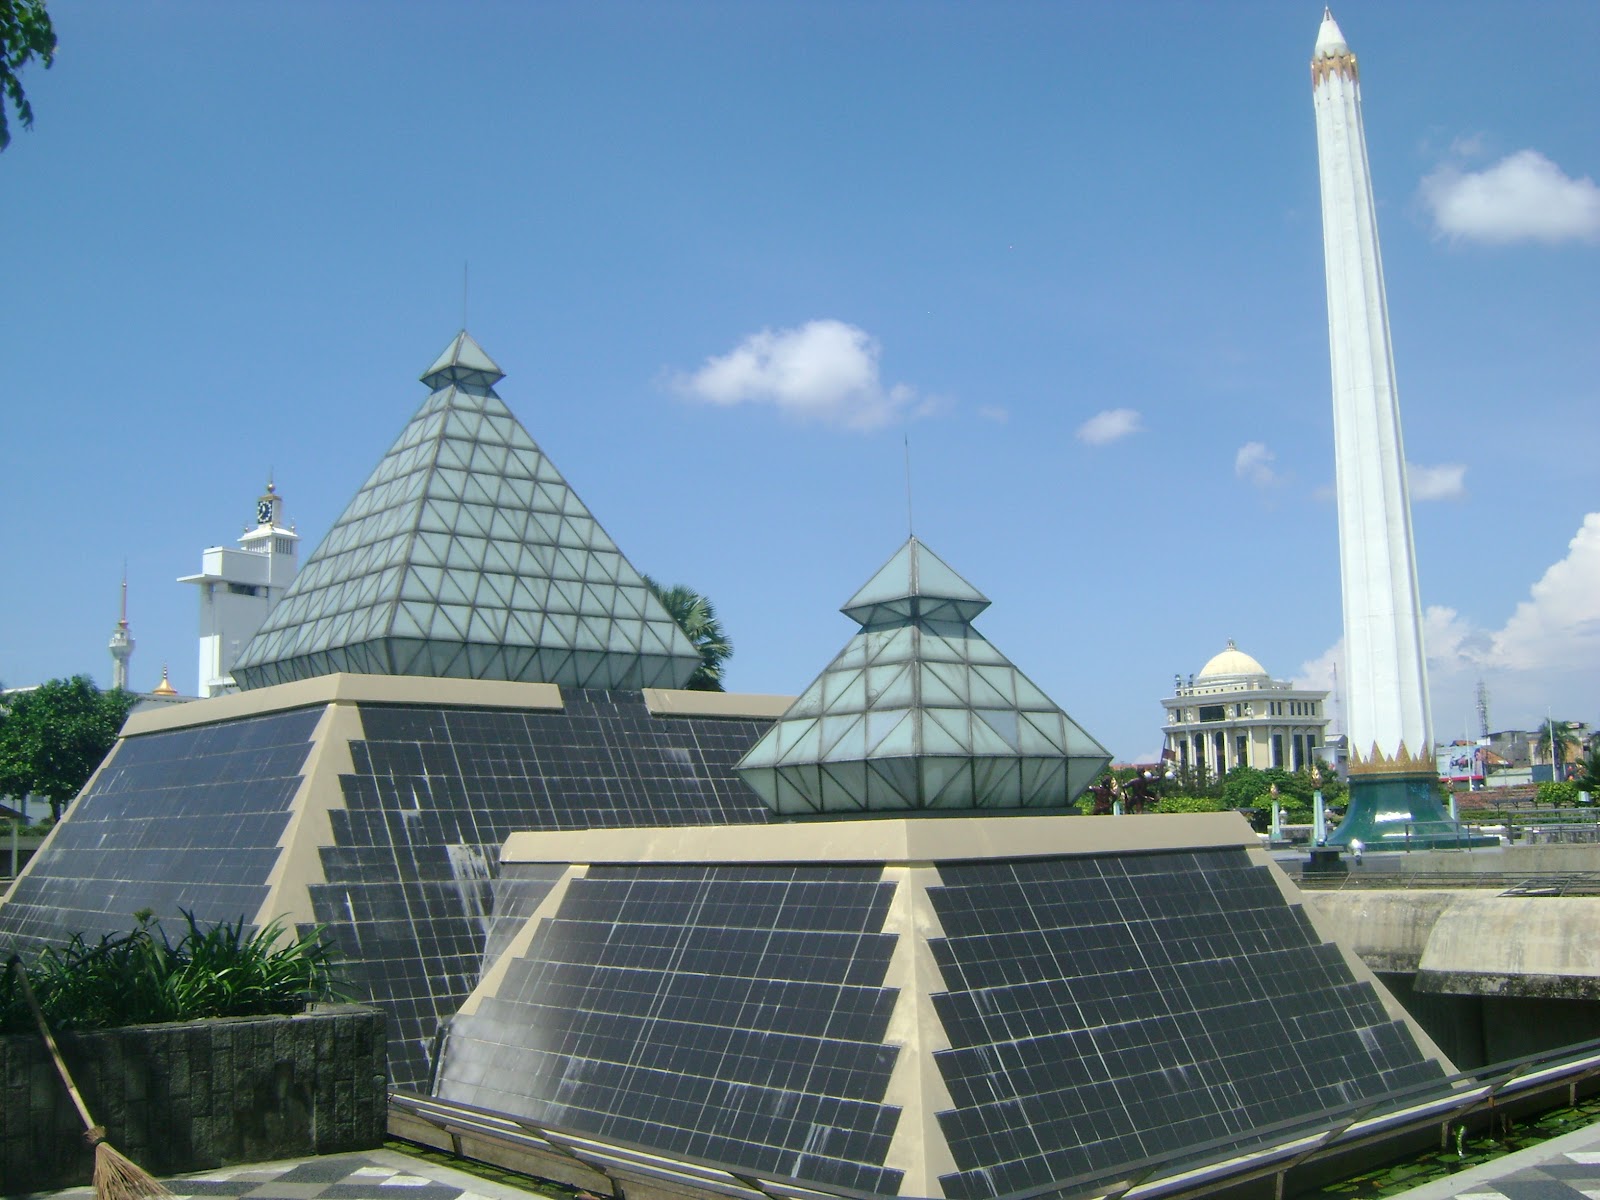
column 1386, row 697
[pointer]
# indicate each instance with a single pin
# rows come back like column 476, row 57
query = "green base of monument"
column 1401, row 812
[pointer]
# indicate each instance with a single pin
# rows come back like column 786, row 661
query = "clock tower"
column 238, row 587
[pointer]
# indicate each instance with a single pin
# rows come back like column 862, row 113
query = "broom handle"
column 44, row 1030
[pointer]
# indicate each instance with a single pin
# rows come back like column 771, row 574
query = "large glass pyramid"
column 466, row 554
column 919, row 711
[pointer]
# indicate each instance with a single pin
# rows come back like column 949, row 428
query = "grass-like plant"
column 143, row 978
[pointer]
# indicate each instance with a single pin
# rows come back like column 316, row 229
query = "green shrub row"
column 143, row 978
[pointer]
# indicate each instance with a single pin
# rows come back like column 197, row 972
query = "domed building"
column 1234, row 714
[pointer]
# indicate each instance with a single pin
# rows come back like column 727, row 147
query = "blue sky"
column 729, row 255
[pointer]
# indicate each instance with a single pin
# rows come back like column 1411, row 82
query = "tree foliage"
column 1558, row 794
column 698, row 620
column 25, row 34
column 1558, row 740
column 1589, row 770
column 53, row 737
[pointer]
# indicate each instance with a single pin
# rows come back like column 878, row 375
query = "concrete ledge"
column 1388, row 930
column 348, row 689
column 667, row 702
column 896, row 840
column 1531, row 987
column 1471, row 943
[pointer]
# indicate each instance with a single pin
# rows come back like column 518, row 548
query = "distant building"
column 121, row 646
column 238, row 587
column 1233, row 714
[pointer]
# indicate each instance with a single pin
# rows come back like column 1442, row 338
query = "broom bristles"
column 116, row 1177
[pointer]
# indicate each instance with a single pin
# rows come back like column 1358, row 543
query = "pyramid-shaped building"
column 466, row 555
column 920, row 711
column 934, row 979
column 466, row 654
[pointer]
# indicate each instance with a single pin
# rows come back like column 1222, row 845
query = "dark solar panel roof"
column 183, row 819
column 1110, row 1009
column 411, row 875
column 733, row 1012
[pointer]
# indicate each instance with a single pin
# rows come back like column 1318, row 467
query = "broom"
column 116, row 1177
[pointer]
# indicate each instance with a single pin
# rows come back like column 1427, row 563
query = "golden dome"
column 164, row 688
column 1231, row 663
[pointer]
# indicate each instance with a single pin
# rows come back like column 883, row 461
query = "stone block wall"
column 193, row 1095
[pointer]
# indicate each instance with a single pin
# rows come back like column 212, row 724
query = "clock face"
column 264, row 511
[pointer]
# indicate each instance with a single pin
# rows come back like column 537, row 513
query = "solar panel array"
column 1109, row 1009
column 411, row 876
column 731, row 1012
column 1099, row 1011
column 181, row 819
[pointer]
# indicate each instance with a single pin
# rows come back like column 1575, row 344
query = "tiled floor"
column 373, row 1175
column 1565, row 1168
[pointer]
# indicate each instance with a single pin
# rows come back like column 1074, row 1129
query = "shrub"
column 1190, row 804
column 142, row 978
column 1558, row 793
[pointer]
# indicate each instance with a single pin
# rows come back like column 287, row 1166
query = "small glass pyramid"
column 466, row 555
column 919, row 711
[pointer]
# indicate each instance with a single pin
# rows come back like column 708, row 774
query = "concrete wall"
column 194, row 1095
column 1490, row 977
column 1472, row 942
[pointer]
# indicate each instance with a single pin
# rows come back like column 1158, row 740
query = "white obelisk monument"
column 1385, row 667
column 1386, row 696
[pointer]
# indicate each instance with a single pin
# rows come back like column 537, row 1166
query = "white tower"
column 121, row 642
column 238, row 587
column 1386, row 681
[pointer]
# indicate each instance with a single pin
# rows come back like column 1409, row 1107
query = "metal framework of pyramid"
column 920, row 711
column 467, row 555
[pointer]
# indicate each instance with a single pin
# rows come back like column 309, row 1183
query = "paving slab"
column 1563, row 1168
column 369, row 1175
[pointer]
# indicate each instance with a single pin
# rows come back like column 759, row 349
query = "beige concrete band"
column 887, row 840
column 348, row 689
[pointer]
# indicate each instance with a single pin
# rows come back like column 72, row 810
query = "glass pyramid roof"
column 467, row 555
column 920, row 711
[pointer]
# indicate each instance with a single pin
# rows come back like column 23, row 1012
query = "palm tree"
column 1589, row 768
column 1554, row 739
column 698, row 620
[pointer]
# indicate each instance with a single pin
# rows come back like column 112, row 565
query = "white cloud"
column 997, row 413
column 825, row 371
column 1321, row 671
column 1254, row 463
column 1447, row 481
column 1523, row 197
column 1547, row 655
column 1558, row 625
column 1111, row 425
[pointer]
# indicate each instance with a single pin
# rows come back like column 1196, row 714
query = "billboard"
column 1460, row 764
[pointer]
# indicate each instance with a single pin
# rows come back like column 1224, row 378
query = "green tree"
column 53, row 737
column 25, row 34
column 1589, row 769
column 1558, row 795
column 698, row 620
column 1556, row 740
